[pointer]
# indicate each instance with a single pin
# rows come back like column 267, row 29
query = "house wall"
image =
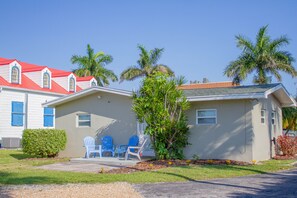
column 230, row 138
column 4, row 71
column 263, row 147
column 110, row 115
column 35, row 111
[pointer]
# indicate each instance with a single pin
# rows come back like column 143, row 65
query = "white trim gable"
column 93, row 80
column 86, row 92
column 46, row 70
column 15, row 64
column 68, row 84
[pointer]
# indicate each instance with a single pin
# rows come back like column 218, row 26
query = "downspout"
column 26, row 111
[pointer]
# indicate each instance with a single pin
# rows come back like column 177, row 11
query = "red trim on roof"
column 86, row 78
column 4, row 61
column 78, row 88
column 207, row 85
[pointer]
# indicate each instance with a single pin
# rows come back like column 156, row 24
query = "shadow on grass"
column 16, row 179
column 21, row 156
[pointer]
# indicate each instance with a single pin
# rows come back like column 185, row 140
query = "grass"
column 19, row 168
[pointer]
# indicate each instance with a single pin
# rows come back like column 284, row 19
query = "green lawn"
column 18, row 168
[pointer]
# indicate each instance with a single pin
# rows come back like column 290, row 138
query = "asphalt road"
column 281, row 184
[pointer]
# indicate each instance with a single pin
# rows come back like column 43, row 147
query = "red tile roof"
column 27, row 83
column 4, row 61
column 86, row 78
column 207, row 85
column 59, row 73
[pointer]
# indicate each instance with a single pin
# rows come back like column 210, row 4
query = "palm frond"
column 131, row 73
column 155, row 55
column 163, row 69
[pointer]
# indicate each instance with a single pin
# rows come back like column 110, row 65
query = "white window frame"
column 78, row 121
column 48, row 80
column 13, row 77
column 263, row 117
column 215, row 117
column 72, row 83
column 273, row 116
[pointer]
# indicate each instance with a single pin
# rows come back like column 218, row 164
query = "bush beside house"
column 43, row 142
column 287, row 145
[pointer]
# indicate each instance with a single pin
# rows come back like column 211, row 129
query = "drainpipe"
column 26, row 111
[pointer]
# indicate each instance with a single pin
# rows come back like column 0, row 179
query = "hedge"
column 288, row 145
column 43, row 142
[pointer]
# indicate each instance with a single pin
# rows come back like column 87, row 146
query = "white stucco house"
column 23, row 88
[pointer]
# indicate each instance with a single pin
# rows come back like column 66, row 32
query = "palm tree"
column 263, row 57
column 146, row 65
column 93, row 64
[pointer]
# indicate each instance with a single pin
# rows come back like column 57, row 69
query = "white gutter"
column 225, row 97
column 30, row 90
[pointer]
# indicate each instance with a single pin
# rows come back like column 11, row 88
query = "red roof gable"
column 86, row 78
column 27, row 83
column 207, row 85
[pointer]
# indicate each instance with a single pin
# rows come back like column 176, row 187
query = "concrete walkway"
column 91, row 165
column 281, row 184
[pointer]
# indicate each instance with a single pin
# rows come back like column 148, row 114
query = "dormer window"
column 93, row 84
column 15, row 75
column 71, row 84
column 46, row 80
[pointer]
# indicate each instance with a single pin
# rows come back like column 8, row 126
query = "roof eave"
column 225, row 97
column 30, row 90
column 85, row 92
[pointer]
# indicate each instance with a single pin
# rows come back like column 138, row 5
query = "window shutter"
column 17, row 115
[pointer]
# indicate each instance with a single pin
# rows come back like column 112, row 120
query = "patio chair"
column 107, row 145
column 135, row 150
column 133, row 141
column 89, row 143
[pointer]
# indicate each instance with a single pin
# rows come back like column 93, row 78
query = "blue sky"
column 198, row 36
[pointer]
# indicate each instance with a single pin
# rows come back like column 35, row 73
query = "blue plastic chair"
column 133, row 141
column 107, row 145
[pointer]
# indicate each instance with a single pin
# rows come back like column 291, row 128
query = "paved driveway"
column 281, row 184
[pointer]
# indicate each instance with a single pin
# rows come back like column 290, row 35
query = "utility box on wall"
column 11, row 142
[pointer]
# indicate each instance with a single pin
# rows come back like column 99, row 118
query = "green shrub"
column 43, row 142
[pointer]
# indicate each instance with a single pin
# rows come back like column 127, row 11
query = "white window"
column 94, row 84
column 263, row 112
column 206, row 116
column 83, row 120
column 15, row 75
column 71, row 84
column 46, row 80
column 273, row 117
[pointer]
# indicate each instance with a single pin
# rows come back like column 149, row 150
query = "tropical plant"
column 289, row 118
column 161, row 106
column 146, row 65
column 264, row 57
column 93, row 64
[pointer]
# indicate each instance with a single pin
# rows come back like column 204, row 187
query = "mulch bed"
column 158, row 164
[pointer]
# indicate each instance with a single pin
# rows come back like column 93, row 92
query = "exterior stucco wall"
column 230, row 138
column 263, row 148
column 110, row 115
